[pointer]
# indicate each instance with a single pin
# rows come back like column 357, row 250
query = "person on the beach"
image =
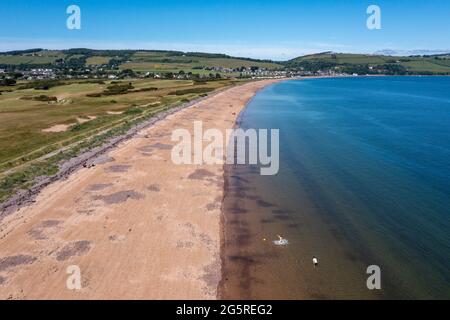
column 315, row 262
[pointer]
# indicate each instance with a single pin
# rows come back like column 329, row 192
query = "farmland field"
column 167, row 62
column 97, row 60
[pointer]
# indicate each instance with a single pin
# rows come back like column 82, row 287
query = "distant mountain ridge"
column 391, row 52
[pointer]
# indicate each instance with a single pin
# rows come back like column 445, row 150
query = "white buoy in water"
column 281, row 241
column 315, row 261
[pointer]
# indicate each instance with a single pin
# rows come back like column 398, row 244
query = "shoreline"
column 104, row 218
column 88, row 158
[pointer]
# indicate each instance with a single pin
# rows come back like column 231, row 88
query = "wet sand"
column 137, row 225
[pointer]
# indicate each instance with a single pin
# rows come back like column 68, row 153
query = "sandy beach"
column 137, row 225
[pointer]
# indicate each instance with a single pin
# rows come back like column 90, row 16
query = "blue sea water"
column 364, row 180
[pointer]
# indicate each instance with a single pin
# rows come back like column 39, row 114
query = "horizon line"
column 383, row 52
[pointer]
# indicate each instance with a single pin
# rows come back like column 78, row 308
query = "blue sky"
column 264, row 29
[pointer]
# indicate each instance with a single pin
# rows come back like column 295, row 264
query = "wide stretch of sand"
column 136, row 225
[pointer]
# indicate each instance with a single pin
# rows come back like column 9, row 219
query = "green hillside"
column 137, row 60
column 439, row 64
column 160, row 61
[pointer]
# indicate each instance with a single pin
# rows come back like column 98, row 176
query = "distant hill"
column 372, row 64
column 390, row 52
column 137, row 60
column 161, row 61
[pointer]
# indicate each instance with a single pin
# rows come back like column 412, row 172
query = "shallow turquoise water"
column 364, row 179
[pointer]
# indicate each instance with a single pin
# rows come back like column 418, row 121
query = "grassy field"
column 16, row 60
column 97, row 60
column 167, row 62
column 24, row 120
column 42, row 57
column 346, row 58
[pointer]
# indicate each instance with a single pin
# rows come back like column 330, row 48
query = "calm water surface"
column 364, row 180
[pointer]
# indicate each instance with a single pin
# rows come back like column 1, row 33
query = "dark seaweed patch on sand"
column 154, row 188
column 87, row 212
column 120, row 197
column 162, row 146
column 50, row 223
column 99, row 186
column 77, row 248
column 37, row 234
column 200, row 174
column 212, row 206
column 211, row 276
column 204, row 238
column 148, row 149
column 2, row 280
column 14, row 261
column 118, row 168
